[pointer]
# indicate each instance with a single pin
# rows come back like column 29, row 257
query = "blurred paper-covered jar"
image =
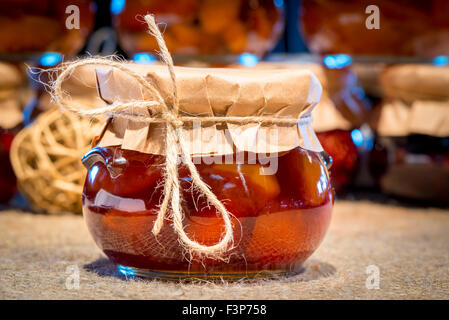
column 45, row 154
column 411, row 156
column 341, row 110
column 202, row 27
column 405, row 28
column 14, row 93
column 31, row 27
column 337, row 121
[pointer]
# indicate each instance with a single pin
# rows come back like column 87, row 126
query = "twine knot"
column 171, row 118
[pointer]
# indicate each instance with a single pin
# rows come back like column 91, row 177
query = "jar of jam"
column 266, row 188
column 48, row 25
column 406, row 27
column 410, row 157
column 279, row 220
column 14, row 93
column 202, row 27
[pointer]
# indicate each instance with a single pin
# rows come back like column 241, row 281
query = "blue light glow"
column 357, row 137
column 117, row 6
column 248, row 59
column 49, row 59
column 441, row 61
column 93, row 174
column 369, row 144
column 143, row 58
column 126, row 271
column 338, row 61
column 278, row 3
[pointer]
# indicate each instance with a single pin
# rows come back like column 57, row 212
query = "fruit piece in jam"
column 288, row 230
column 207, row 228
column 122, row 172
column 241, row 187
column 287, row 237
column 304, row 177
column 278, row 219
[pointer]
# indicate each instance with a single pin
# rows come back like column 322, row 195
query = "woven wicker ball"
column 46, row 157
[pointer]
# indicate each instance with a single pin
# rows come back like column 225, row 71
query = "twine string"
column 160, row 112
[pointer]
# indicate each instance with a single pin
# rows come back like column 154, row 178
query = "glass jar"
column 42, row 26
column 279, row 219
column 407, row 27
column 14, row 94
column 414, row 167
column 202, row 27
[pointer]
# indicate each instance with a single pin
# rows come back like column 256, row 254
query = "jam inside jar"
column 279, row 219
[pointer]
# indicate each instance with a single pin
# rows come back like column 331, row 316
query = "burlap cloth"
column 410, row 246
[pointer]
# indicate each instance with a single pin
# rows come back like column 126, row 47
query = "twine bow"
column 174, row 141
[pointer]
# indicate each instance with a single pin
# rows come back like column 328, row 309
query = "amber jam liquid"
column 279, row 219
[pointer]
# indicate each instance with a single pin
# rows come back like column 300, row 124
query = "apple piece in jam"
column 241, row 187
column 304, row 177
column 122, row 172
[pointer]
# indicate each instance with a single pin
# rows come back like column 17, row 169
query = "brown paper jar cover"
column 337, row 85
column 217, row 92
column 416, row 101
column 412, row 82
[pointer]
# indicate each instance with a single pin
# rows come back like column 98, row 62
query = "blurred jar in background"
column 42, row 32
column 407, row 27
column 338, row 116
column 51, row 30
column 29, row 27
column 201, row 27
column 14, row 93
column 410, row 158
column 338, row 119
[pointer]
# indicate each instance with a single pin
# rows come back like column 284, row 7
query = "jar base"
column 180, row 275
